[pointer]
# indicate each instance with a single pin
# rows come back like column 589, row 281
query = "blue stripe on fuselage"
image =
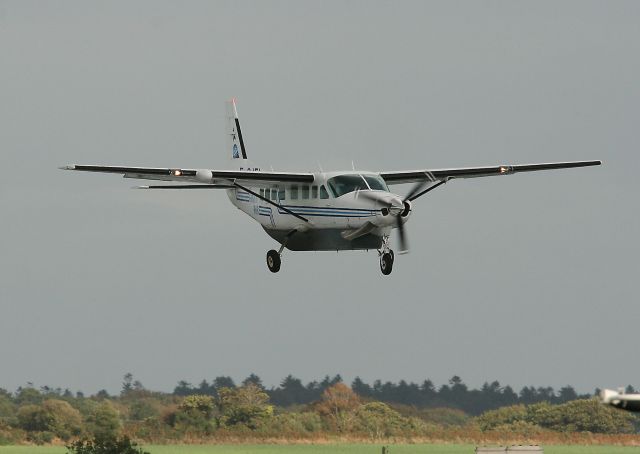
column 329, row 211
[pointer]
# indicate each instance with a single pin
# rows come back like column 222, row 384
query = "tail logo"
column 236, row 154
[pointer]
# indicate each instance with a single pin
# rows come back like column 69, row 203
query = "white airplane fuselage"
column 329, row 214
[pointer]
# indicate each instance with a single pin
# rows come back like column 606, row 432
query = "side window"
column 314, row 192
column 274, row 194
column 294, row 192
column 262, row 192
column 305, row 192
column 281, row 194
column 323, row 193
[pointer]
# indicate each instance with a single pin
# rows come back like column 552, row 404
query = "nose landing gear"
column 386, row 263
column 386, row 256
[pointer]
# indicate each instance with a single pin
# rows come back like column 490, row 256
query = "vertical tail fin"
column 235, row 141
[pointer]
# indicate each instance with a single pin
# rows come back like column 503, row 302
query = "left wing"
column 415, row 176
column 203, row 176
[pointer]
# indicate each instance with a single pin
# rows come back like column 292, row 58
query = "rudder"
column 235, row 141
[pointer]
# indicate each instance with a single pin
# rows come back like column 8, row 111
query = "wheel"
column 386, row 263
column 273, row 261
column 392, row 257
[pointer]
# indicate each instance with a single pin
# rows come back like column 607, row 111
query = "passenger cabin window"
column 304, row 191
column 323, row 193
column 314, row 192
column 294, row 192
column 345, row 184
column 281, row 194
column 262, row 192
column 376, row 183
column 274, row 194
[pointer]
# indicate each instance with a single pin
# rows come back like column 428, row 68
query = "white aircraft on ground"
column 319, row 211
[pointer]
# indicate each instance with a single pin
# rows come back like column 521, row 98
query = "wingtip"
column 140, row 187
column 67, row 167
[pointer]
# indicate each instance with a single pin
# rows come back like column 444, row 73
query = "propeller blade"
column 369, row 196
column 404, row 247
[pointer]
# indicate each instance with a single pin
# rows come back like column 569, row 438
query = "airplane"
column 318, row 211
column 620, row 399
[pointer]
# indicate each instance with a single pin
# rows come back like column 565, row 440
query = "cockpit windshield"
column 375, row 182
column 344, row 184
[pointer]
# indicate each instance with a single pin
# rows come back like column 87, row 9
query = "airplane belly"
column 329, row 239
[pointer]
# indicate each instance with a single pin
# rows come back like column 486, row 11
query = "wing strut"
column 412, row 196
column 288, row 211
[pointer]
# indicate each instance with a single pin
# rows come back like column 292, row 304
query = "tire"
column 273, row 261
column 386, row 263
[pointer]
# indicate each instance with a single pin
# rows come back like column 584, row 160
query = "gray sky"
column 529, row 279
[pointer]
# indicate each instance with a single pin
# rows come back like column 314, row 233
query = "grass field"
column 326, row 449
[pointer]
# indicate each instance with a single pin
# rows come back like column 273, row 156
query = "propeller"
column 390, row 208
column 416, row 191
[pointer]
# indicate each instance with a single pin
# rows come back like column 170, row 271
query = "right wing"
column 416, row 176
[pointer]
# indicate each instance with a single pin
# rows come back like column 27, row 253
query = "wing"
column 414, row 176
column 212, row 178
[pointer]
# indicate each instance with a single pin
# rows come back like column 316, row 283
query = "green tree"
column 193, row 415
column 143, row 408
column 184, row 388
column 104, row 421
column 247, row 405
column 506, row 415
column 127, row 383
column 253, row 378
column 585, row 415
column 198, row 404
column 55, row 416
column 7, row 407
column 223, row 382
column 105, row 446
column 379, row 420
column 28, row 395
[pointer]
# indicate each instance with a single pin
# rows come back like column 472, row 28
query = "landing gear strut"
column 386, row 256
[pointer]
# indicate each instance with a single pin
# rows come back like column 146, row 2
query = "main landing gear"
column 274, row 257
column 386, row 256
column 273, row 261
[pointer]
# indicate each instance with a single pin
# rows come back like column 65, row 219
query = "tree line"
column 246, row 411
column 454, row 394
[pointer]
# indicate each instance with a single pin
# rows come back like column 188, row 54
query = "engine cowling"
column 406, row 213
